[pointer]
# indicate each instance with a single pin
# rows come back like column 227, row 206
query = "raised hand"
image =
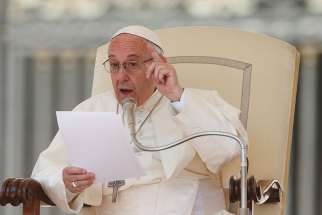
column 164, row 76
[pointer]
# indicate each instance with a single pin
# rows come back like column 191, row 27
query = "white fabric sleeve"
column 206, row 111
column 70, row 196
column 48, row 172
column 178, row 105
column 51, row 162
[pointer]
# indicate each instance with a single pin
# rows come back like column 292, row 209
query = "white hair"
column 155, row 47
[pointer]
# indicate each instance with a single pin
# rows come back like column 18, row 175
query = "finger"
column 74, row 170
column 84, row 177
column 80, row 185
column 79, row 189
column 84, row 183
column 163, row 75
column 157, row 74
column 161, row 71
column 150, row 70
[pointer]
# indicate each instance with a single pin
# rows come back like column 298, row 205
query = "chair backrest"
column 255, row 73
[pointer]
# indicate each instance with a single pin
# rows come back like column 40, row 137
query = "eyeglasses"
column 128, row 66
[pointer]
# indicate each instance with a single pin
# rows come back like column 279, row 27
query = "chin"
column 121, row 97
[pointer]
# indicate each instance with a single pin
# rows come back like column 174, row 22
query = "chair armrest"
column 15, row 191
column 261, row 192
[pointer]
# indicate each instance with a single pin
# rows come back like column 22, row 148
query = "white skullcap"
column 140, row 31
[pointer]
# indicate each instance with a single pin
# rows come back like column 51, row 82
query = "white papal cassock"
column 178, row 181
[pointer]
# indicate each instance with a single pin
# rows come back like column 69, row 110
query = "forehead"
column 127, row 44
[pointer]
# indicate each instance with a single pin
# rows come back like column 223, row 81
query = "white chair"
column 255, row 73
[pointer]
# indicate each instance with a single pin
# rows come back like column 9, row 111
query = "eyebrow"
column 131, row 55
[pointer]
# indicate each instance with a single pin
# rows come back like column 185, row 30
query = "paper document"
column 99, row 142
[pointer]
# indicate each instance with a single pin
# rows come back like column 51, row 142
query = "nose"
column 122, row 74
column 122, row 68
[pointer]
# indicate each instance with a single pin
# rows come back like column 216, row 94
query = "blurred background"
column 47, row 51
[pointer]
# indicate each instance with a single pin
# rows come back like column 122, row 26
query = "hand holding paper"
column 99, row 143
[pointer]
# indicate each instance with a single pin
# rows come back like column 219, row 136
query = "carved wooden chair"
column 255, row 73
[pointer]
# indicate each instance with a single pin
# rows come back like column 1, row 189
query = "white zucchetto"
column 140, row 31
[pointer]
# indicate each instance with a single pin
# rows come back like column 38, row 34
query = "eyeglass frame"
column 124, row 65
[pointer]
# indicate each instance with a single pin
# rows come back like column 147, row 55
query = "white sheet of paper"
column 99, row 142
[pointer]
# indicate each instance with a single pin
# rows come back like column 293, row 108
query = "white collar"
column 150, row 102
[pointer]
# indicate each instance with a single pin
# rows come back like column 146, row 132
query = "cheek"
column 113, row 82
column 145, row 87
column 141, row 82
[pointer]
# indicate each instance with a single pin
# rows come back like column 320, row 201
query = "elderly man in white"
column 181, row 180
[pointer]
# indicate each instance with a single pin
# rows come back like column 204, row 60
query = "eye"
column 114, row 65
column 133, row 63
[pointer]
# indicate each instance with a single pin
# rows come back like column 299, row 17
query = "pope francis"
column 179, row 181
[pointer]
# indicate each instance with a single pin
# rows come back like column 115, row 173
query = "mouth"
column 125, row 91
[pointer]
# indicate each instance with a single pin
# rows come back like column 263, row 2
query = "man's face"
column 130, row 49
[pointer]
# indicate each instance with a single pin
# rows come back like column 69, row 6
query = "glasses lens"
column 114, row 67
column 132, row 66
column 106, row 66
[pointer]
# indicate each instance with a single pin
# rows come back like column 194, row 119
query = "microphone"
column 128, row 106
